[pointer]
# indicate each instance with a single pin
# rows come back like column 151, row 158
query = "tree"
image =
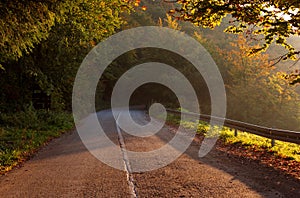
column 51, row 62
column 256, row 92
column 24, row 24
column 274, row 20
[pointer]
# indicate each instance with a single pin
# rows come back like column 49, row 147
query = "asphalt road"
column 65, row 168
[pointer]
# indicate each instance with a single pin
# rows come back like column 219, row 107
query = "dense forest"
column 44, row 43
column 257, row 90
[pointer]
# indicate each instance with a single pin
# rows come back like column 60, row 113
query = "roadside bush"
column 36, row 119
column 23, row 132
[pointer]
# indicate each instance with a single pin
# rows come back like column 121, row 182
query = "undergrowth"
column 24, row 132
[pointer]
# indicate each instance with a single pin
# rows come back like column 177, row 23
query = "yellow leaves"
column 289, row 97
column 137, row 3
column 102, row 4
column 172, row 11
column 172, row 23
column 193, row 11
column 160, row 23
column 144, row 8
column 93, row 43
column 199, row 37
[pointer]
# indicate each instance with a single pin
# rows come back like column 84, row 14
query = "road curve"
column 65, row 168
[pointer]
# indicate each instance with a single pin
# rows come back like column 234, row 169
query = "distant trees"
column 256, row 92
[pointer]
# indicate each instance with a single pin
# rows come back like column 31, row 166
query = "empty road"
column 65, row 168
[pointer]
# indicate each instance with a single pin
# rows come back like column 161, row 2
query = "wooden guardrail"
column 274, row 134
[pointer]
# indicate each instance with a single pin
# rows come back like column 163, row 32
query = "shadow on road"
column 255, row 175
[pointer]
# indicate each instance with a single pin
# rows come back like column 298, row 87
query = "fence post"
column 272, row 142
column 235, row 132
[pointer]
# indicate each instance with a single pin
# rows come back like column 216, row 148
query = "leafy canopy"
column 276, row 19
column 24, row 24
column 272, row 20
column 42, row 43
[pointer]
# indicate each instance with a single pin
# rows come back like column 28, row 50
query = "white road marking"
column 130, row 179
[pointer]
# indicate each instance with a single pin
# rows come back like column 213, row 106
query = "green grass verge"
column 22, row 133
column 283, row 149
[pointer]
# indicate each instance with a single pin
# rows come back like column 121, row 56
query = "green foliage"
column 137, row 19
column 55, row 41
column 36, row 119
column 26, row 23
column 24, row 132
column 283, row 149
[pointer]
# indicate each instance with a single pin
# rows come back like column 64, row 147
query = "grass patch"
column 23, row 133
column 288, row 151
column 284, row 149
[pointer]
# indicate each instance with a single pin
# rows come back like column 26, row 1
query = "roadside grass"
column 22, row 133
column 288, row 151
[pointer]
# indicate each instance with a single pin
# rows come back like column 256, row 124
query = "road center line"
column 128, row 170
